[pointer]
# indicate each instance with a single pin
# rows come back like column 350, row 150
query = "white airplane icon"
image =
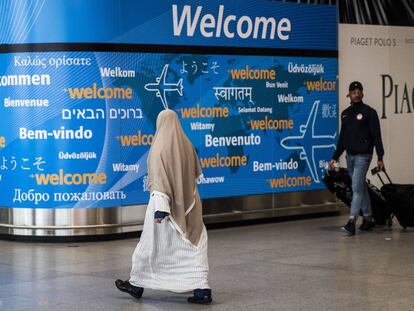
column 161, row 87
column 306, row 149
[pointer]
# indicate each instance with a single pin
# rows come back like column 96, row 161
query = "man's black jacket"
column 360, row 132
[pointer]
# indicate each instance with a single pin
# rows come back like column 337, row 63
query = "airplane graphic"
column 161, row 87
column 307, row 142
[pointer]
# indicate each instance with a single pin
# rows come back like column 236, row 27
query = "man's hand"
column 331, row 164
column 380, row 165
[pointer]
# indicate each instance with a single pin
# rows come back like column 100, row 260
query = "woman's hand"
column 159, row 216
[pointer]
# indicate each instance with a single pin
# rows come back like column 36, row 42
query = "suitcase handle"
column 376, row 171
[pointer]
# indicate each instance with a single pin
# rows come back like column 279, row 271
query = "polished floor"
column 296, row 265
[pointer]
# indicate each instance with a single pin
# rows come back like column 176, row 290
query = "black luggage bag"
column 400, row 198
column 339, row 182
column 382, row 212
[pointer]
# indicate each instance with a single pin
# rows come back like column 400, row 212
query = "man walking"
column 360, row 133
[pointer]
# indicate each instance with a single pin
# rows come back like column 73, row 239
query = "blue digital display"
column 255, row 23
column 77, row 126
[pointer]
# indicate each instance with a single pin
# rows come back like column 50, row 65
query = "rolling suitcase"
column 400, row 198
column 339, row 182
column 382, row 212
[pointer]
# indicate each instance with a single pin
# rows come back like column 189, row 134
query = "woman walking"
column 172, row 252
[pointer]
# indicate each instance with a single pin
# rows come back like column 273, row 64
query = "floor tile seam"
column 316, row 267
column 344, row 270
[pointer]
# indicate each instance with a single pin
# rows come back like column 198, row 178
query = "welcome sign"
column 80, row 123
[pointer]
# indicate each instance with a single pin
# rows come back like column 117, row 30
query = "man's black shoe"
column 366, row 225
column 125, row 286
column 201, row 296
column 349, row 227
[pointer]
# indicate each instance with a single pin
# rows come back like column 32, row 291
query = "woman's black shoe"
column 125, row 286
column 201, row 296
